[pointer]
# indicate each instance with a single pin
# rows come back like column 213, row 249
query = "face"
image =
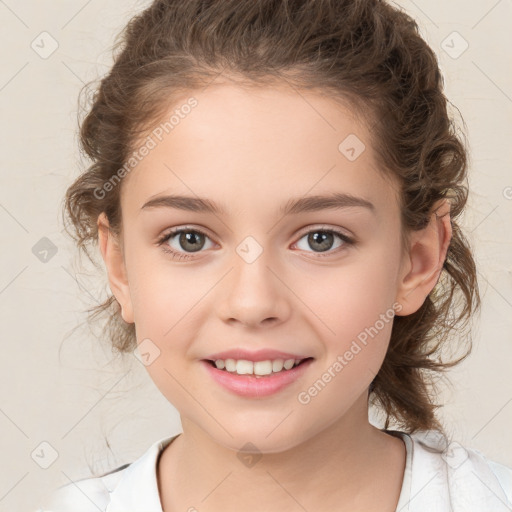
column 319, row 283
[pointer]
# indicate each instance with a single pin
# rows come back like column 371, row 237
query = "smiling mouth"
column 251, row 373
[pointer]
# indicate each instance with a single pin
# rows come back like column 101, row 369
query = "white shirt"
column 438, row 478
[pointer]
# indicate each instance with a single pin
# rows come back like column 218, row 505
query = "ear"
column 116, row 269
column 425, row 259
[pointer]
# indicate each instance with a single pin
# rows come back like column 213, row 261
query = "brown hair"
column 364, row 52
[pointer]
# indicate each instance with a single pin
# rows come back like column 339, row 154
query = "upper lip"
column 257, row 355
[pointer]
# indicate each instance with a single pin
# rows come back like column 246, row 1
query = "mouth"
column 258, row 369
column 239, row 377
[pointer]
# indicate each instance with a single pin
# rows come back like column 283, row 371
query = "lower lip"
column 250, row 386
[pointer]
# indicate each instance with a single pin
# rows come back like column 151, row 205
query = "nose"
column 255, row 294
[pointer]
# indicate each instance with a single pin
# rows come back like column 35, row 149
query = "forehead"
column 245, row 147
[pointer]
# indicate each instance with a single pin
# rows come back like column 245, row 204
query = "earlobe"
column 427, row 253
column 116, row 268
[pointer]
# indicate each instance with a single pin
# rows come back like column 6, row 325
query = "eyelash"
column 187, row 256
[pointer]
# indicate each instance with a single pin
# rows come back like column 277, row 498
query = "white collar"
column 137, row 487
column 457, row 479
column 444, row 476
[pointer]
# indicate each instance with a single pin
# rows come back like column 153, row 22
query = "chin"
column 258, row 440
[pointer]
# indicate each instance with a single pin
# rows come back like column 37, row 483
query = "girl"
column 274, row 189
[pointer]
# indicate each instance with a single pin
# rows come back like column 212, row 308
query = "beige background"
column 59, row 384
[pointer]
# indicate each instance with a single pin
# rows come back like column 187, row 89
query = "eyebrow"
column 292, row 207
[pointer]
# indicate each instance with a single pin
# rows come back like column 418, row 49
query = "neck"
column 341, row 468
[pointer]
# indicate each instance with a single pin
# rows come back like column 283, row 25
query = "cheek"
column 355, row 306
column 353, row 295
column 357, row 319
column 162, row 292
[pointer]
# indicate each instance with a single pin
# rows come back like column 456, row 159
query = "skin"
column 251, row 151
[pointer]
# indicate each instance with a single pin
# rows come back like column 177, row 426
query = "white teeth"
column 230, row 365
column 289, row 363
column 262, row 367
column 244, row 367
column 277, row 365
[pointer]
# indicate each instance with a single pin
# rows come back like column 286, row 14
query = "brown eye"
column 322, row 240
column 191, row 240
column 183, row 242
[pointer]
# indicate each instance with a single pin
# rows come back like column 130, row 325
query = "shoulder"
column 129, row 487
column 86, row 495
column 504, row 476
column 458, row 476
